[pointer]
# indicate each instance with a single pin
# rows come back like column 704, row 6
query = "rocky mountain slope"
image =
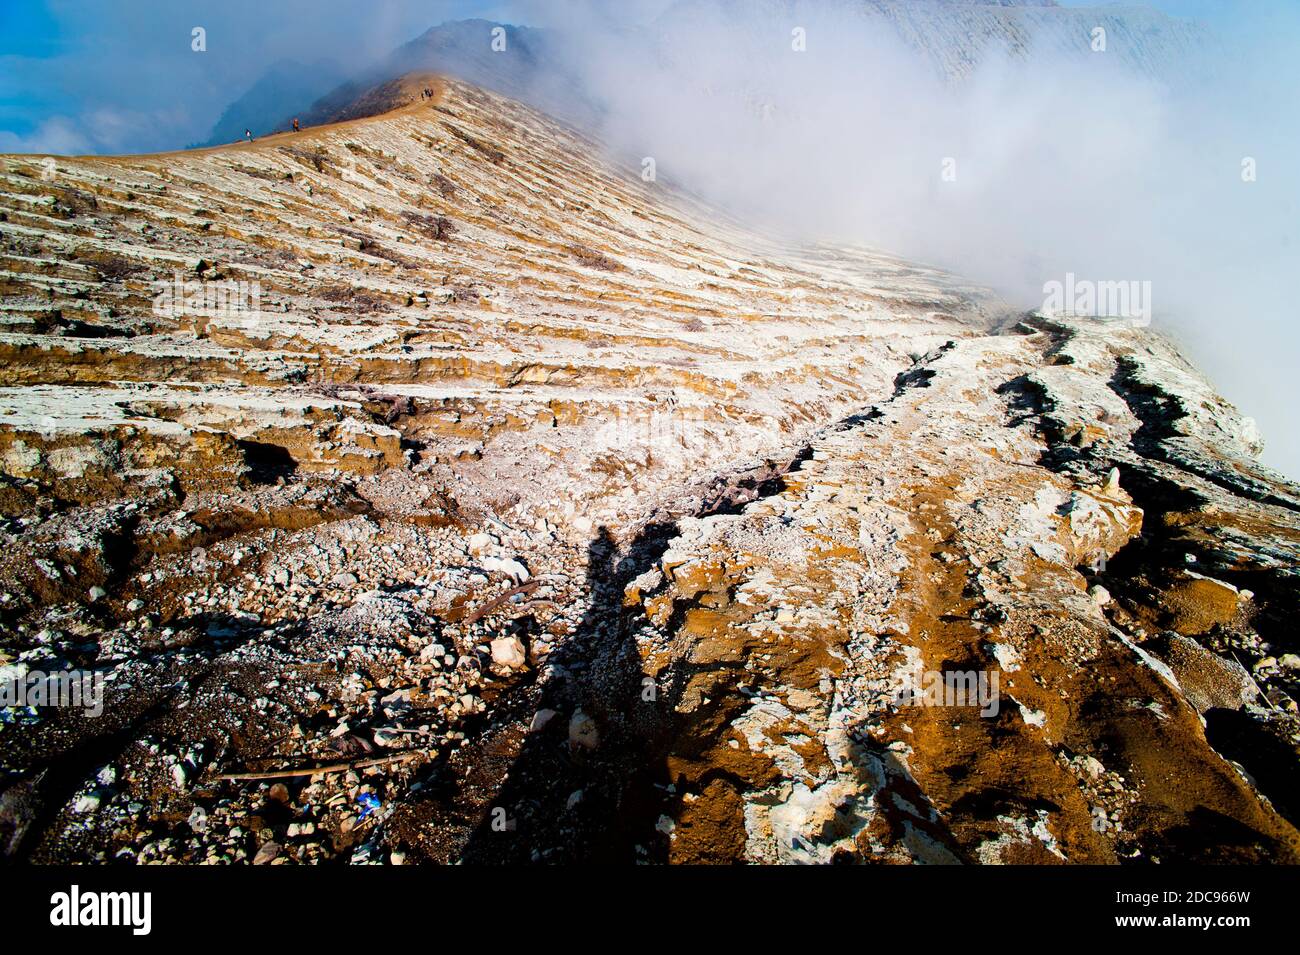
column 425, row 488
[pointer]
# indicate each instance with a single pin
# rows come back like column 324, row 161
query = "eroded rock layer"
column 427, row 487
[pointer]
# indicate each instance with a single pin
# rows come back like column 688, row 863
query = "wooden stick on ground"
column 1251, row 677
column 495, row 602
column 334, row 768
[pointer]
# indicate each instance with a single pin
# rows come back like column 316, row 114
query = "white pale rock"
column 508, row 652
column 582, row 731
column 508, row 566
column 88, row 802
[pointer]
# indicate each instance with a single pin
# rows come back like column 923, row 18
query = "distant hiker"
column 295, row 124
column 248, row 134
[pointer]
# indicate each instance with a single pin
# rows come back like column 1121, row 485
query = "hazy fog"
column 1063, row 163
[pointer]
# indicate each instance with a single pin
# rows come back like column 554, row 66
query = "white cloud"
column 58, row 134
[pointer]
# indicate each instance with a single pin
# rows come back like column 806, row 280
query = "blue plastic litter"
column 368, row 802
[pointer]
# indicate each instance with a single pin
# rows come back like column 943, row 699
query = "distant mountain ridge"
column 951, row 36
column 285, row 88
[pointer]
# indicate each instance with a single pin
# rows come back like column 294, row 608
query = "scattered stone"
column 267, row 853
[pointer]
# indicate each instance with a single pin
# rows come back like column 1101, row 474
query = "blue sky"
column 120, row 76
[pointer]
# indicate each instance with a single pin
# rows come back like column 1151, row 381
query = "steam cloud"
column 1064, row 163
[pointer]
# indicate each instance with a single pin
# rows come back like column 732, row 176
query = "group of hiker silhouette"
column 425, row 93
column 248, row 133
